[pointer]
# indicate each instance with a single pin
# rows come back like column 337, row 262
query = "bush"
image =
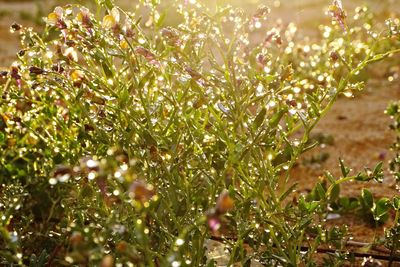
column 125, row 140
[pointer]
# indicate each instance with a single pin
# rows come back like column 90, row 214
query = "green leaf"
column 307, row 206
column 344, row 202
column 109, row 4
column 287, row 192
column 378, row 172
column 381, row 210
column 148, row 138
column 260, row 118
column 107, row 70
column 362, row 177
column 345, row 170
column 382, row 206
column 320, row 190
column 314, row 110
column 335, row 192
column 276, row 118
column 378, row 57
column 330, row 177
column 311, row 206
column 161, row 19
column 309, row 147
column 396, row 203
column 367, row 198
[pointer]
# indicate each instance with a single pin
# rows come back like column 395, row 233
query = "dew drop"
column 179, row 242
column 348, row 93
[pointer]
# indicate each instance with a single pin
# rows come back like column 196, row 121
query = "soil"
column 358, row 125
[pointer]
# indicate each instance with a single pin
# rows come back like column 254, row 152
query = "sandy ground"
column 360, row 129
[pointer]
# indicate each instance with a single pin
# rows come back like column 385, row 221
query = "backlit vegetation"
column 128, row 141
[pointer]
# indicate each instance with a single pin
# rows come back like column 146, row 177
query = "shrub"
column 125, row 140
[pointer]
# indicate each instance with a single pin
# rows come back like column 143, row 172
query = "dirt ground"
column 358, row 125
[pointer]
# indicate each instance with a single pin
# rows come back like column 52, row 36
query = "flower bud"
column 36, row 70
column 77, row 77
column 15, row 27
column 141, row 191
column 224, row 203
column 121, row 246
column 337, row 12
column 334, row 56
column 262, row 12
column 108, row 261
column 84, row 17
column 52, row 19
column 55, row 18
column 111, row 20
column 76, row 238
column 193, row 73
column 71, row 54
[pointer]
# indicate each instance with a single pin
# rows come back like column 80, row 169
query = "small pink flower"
column 147, row 54
column 337, row 12
column 214, row 223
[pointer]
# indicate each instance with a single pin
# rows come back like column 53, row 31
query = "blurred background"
column 306, row 13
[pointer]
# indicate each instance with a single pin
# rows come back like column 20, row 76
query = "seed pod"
column 334, row 56
column 89, row 128
column 193, row 73
column 62, row 170
column 57, row 68
column 36, row 70
column 199, row 102
column 278, row 39
column 141, row 191
column 262, row 12
column 224, row 203
column 98, row 100
column 145, row 53
column 16, row 27
column 32, row 139
column 170, row 35
column 15, row 73
column 121, row 246
column 154, row 153
column 76, row 238
column 261, row 60
column 70, row 43
column 229, row 173
column 291, row 103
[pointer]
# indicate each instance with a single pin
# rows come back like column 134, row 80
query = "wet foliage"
column 126, row 140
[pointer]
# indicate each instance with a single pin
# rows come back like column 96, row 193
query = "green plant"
column 125, row 140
